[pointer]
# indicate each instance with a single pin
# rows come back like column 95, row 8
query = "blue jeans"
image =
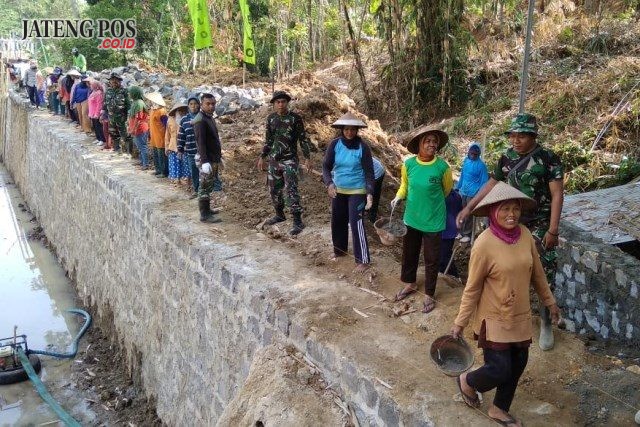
column 141, row 143
column 195, row 173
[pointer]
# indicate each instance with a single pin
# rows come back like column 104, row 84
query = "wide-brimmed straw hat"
column 348, row 119
column 416, row 135
column 500, row 193
column 179, row 104
column 156, row 98
column 48, row 70
column 74, row 73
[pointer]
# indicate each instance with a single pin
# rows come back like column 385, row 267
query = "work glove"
column 395, row 202
column 206, row 168
column 369, row 202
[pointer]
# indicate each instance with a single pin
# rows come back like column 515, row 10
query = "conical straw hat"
column 156, row 98
column 348, row 119
column 500, row 193
column 179, row 104
column 416, row 135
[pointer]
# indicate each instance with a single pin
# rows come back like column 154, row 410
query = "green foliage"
column 629, row 169
column 572, row 154
column 566, row 35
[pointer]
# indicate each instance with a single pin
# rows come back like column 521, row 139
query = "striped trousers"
column 348, row 209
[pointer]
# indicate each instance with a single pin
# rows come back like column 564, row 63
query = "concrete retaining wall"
column 598, row 287
column 191, row 303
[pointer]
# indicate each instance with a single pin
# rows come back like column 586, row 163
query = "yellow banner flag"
column 247, row 38
column 201, row 27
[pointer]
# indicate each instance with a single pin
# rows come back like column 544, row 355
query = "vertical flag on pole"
column 247, row 39
column 201, row 27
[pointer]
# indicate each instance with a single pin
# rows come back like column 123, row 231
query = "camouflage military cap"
column 523, row 123
column 280, row 94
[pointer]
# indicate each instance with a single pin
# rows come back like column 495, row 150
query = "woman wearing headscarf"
column 176, row 164
column 473, row 175
column 347, row 171
column 425, row 182
column 96, row 98
column 79, row 101
column 138, row 124
column 504, row 264
column 157, row 129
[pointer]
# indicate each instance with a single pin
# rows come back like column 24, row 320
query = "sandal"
column 471, row 402
column 507, row 422
column 428, row 305
column 405, row 292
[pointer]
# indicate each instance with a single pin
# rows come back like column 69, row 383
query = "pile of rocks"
column 230, row 99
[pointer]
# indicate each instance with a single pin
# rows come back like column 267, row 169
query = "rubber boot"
column 546, row 332
column 278, row 217
column 205, row 212
column 298, row 225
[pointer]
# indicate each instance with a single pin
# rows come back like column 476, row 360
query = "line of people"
column 522, row 200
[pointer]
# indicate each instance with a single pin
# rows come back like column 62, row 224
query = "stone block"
column 590, row 260
column 559, row 279
column 604, row 332
column 584, row 298
column 369, row 393
column 267, row 336
column 580, row 277
column 282, row 321
column 297, row 334
column 615, row 322
column 592, row 320
column 567, row 270
column 629, row 331
column 575, row 253
column 388, row 411
column 570, row 325
column 634, row 290
column 350, row 376
column 621, row 278
column 571, row 288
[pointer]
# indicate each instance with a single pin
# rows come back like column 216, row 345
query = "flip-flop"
column 404, row 293
column 428, row 305
column 506, row 422
column 471, row 402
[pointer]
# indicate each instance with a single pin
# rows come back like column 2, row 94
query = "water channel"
column 35, row 293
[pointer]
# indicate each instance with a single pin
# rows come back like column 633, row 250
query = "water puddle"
column 34, row 293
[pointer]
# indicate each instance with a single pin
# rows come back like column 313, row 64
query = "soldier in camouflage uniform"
column 284, row 130
column 116, row 103
column 537, row 172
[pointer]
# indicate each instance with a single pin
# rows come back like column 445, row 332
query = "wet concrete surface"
column 34, row 294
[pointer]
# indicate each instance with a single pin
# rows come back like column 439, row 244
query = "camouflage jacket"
column 532, row 178
column 116, row 102
column 282, row 137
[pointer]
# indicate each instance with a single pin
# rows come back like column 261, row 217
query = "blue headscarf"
column 473, row 175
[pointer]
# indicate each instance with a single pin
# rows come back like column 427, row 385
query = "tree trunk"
column 356, row 56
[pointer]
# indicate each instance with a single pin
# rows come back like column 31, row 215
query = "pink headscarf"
column 508, row 236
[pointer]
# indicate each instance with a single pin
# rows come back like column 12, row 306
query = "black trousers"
column 501, row 370
column 377, row 192
column 411, row 244
column 348, row 209
column 97, row 128
column 33, row 95
column 446, row 249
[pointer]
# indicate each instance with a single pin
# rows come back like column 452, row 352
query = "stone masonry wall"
column 191, row 305
column 597, row 285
